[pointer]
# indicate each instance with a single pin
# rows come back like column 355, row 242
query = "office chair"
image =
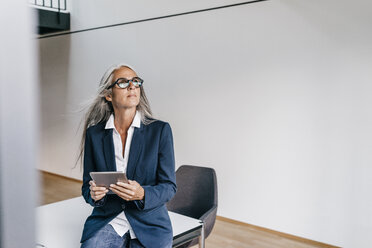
column 196, row 196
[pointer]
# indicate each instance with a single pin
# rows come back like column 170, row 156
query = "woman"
column 121, row 135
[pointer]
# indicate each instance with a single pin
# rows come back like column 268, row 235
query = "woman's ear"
column 108, row 98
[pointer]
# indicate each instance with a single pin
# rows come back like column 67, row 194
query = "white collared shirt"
column 120, row 222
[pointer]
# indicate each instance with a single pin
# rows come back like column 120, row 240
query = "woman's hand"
column 97, row 193
column 128, row 191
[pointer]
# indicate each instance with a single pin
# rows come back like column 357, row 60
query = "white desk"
column 60, row 225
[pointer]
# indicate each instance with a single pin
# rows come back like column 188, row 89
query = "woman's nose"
column 131, row 86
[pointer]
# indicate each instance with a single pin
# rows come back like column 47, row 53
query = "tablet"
column 104, row 179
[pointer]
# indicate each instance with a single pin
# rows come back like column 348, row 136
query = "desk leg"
column 202, row 238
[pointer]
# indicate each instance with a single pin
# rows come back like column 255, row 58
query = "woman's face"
column 124, row 98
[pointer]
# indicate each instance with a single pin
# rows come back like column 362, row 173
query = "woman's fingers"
column 131, row 191
column 93, row 187
column 127, row 186
column 125, row 191
column 97, row 193
column 98, row 197
column 122, row 194
column 128, row 191
column 97, row 188
column 122, row 189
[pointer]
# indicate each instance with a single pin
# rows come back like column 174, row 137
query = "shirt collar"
column 135, row 123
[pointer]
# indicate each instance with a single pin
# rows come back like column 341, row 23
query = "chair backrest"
column 196, row 191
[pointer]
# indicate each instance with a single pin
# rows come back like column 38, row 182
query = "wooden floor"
column 225, row 234
column 55, row 188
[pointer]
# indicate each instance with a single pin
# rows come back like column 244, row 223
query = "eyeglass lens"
column 124, row 83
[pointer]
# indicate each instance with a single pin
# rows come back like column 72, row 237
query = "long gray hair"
column 100, row 109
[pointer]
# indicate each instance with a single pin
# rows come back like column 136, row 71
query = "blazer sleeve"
column 88, row 167
column 165, row 189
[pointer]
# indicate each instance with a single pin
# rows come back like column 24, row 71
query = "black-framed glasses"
column 124, row 83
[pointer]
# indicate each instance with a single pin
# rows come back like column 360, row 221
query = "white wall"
column 275, row 96
column 90, row 14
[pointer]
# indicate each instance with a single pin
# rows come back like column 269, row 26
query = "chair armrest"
column 209, row 218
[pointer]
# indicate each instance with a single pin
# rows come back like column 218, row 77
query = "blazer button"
column 123, row 206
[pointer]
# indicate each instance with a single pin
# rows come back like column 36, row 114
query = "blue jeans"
column 107, row 237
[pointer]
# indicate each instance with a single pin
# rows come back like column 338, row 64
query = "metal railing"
column 53, row 4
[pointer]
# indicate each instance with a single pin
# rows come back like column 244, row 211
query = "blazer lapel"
column 108, row 148
column 135, row 151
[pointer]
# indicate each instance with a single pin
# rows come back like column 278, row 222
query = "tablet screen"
column 104, row 179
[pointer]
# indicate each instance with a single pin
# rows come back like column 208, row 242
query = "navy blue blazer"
column 151, row 163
